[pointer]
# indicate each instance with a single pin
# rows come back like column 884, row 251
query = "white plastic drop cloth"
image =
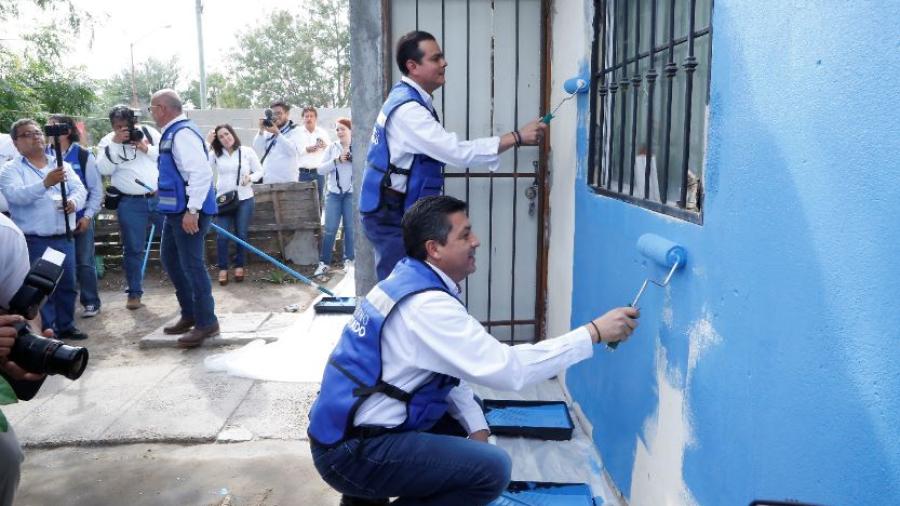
column 299, row 354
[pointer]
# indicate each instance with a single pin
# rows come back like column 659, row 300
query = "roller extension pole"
column 147, row 251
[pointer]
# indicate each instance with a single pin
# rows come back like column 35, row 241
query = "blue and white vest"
column 353, row 372
column 172, row 186
column 74, row 156
column 425, row 175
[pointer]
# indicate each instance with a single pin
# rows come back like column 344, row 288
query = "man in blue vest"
column 409, row 148
column 187, row 199
column 85, row 165
column 394, row 399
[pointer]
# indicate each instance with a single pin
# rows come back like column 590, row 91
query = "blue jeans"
column 85, row 268
column 237, row 223
column 58, row 313
column 382, row 228
column 418, row 467
column 338, row 207
column 135, row 216
column 183, row 256
column 312, row 175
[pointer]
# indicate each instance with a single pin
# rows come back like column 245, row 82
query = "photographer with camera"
column 43, row 199
column 129, row 153
column 25, row 358
column 314, row 140
column 84, row 164
column 278, row 144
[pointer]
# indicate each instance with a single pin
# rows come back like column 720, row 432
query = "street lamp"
column 134, row 99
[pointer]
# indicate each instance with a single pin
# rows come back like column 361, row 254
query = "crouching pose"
column 395, row 417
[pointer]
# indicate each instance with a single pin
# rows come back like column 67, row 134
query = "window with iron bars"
column 650, row 93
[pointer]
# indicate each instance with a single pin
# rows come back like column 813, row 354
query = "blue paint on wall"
column 795, row 267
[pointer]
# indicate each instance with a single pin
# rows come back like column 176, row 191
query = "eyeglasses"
column 34, row 134
column 150, row 109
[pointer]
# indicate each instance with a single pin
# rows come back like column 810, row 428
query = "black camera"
column 135, row 134
column 32, row 352
column 267, row 121
column 57, row 130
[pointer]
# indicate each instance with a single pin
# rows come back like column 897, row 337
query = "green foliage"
column 303, row 61
column 150, row 75
column 7, row 396
column 221, row 93
column 38, row 83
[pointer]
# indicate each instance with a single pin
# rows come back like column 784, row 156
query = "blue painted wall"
column 796, row 267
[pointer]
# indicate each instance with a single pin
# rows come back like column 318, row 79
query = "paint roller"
column 573, row 86
column 665, row 253
column 330, row 303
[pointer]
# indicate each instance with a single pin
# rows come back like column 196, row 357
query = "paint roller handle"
column 614, row 326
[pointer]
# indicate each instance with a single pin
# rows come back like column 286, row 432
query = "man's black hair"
column 428, row 219
column 124, row 113
column 408, row 48
column 280, row 103
column 14, row 129
column 69, row 121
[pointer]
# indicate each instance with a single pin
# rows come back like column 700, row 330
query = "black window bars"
column 635, row 154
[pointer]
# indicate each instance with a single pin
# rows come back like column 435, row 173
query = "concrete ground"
column 153, row 426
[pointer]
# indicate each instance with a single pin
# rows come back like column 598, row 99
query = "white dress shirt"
column 14, row 264
column 283, row 160
column 308, row 139
column 432, row 332
column 189, row 151
column 35, row 209
column 8, row 151
column 125, row 163
column 226, row 168
column 340, row 174
column 412, row 130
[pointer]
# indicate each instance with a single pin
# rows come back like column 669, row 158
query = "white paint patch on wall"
column 657, row 476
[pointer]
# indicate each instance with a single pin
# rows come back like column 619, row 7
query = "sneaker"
column 321, row 269
column 90, row 311
column 72, row 334
column 348, row 264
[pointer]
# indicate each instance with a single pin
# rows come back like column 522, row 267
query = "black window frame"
column 609, row 80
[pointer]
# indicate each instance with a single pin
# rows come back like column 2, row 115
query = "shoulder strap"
column 237, row 182
column 83, row 159
column 147, row 134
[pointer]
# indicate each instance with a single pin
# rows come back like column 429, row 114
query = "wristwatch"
column 193, row 211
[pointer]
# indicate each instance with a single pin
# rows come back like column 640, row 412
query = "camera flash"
column 54, row 257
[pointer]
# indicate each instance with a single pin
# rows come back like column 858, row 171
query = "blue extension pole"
column 147, row 251
column 275, row 262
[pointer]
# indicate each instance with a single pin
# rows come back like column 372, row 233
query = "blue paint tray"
column 532, row 493
column 547, row 420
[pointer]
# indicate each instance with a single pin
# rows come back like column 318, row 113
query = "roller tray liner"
column 547, row 420
column 535, row 493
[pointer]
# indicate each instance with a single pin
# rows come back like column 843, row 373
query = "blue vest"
column 425, row 175
column 74, row 159
column 172, row 186
column 353, row 372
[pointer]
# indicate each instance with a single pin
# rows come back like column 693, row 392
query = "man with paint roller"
column 394, row 416
column 410, row 147
column 187, row 199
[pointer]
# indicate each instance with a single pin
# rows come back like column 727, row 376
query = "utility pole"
column 200, row 49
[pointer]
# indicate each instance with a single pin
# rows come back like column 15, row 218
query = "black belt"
column 307, row 171
column 52, row 237
column 141, row 196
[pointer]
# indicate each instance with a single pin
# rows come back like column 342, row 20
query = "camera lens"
column 48, row 356
column 135, row 135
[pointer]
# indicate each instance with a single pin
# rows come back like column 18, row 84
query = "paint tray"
column 533, row 493
column 335, row 305
column 547, row 420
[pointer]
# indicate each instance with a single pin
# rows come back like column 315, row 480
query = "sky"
column 118, row 23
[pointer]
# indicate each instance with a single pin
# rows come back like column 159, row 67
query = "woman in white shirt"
column 227, row 159
column 339, row 198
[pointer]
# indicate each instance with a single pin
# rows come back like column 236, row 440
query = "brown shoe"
column 180, row 327
column 195, row 337
column 133, row 303
column 223, row 278
column 239, row 274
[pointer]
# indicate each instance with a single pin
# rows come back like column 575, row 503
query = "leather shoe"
column 347, row 500
column 133, row 303
column 195, row 337
column 180, row 327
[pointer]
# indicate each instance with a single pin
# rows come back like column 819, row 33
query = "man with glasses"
column 31, row 185
column 128, row 154
column 278, row 145
column 187, row 198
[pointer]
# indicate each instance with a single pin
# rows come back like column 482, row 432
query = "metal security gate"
column 495, row 82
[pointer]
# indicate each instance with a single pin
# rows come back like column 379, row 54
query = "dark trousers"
column 184, row 257
column 420, row 468
column 238, row 224
column 58, row 313
column 86, row 268
column 136, row 214
column 382, row 228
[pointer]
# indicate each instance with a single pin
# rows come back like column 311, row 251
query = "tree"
column 150, row 76
column 303, row 62
column 221, row 93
